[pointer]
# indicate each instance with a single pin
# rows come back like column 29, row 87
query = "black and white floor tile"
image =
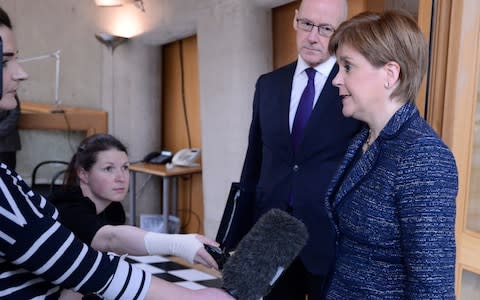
column 171, row 271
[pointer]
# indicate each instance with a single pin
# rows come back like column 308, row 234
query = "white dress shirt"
column 300, row 79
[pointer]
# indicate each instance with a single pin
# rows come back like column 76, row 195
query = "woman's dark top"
column 78, row 213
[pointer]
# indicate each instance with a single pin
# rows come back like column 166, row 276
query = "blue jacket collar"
column 368, row 159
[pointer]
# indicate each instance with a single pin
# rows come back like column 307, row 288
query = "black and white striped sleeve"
column 37, row 253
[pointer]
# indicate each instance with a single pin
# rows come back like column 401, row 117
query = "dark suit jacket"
column 272, row 172
column 9, row 136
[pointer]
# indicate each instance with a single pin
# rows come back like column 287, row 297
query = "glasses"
column 323, row 29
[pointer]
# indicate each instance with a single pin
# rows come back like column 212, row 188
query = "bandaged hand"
column 188, row 246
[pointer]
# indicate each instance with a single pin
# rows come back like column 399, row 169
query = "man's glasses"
column 323, row 29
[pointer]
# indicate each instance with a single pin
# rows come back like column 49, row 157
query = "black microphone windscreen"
column 261, row 256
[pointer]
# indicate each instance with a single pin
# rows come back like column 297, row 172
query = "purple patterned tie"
column 304, row 109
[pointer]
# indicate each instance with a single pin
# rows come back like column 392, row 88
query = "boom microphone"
column 263, row 254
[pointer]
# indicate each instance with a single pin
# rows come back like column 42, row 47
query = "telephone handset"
column 186, row 157
column 155, row 157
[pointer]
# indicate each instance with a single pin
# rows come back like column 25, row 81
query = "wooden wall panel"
column 181, row 104
column 283, row 35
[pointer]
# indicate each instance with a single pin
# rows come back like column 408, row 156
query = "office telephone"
column 184, row 158
column 156, row 157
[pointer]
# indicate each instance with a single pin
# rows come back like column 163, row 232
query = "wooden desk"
column 40, row 116
column 166, row 175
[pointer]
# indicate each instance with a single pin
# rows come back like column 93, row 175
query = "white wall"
column 235, row 47
column 234, row 44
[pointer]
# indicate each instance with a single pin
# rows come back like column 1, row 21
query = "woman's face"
column 13, row 73
column 361, row 85
column 107, row 180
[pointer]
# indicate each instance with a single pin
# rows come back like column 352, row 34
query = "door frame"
column 459, row 72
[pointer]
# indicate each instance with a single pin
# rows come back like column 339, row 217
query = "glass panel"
column 473, row 212
column 470, row 286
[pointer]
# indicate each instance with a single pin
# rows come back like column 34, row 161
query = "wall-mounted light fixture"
column 111, row 41
column 138, row 3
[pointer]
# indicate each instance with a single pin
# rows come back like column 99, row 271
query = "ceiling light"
column 110, row 2
column 138, row 3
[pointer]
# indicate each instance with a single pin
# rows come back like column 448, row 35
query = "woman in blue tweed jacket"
column 392, row 200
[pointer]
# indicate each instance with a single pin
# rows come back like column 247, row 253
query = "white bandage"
column 183, row 245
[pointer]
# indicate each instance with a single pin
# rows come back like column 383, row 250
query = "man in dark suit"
column 289, row 166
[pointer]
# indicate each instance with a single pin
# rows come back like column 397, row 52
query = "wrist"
column 182, row 245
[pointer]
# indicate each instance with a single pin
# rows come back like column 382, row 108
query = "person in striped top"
column 38, row 255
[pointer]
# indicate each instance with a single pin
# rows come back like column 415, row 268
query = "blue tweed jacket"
column 393, row 209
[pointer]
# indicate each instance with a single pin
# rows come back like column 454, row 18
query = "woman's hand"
column 202, row 256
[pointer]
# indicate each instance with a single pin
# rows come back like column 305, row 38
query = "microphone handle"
column 232, row 293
